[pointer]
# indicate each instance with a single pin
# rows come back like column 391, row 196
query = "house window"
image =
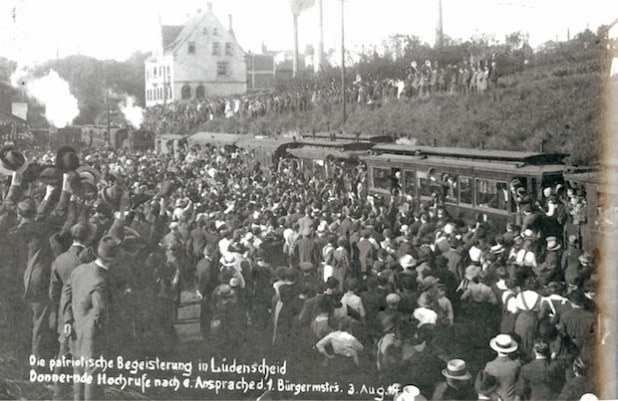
column 214, row 31
column 191, row 47
column 200, row 92
column 185, row 92
column 228, row 49
column 154, row 72
column 204, row 31
column 215, row 48
column 221, row 69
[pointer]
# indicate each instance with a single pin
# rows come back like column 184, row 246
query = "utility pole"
column 320, row 53
column 343, row 63
column 439, row 27
column 109, row 123
column 295, row 56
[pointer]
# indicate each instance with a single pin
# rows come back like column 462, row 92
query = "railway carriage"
column 601, row 204
column 326, row 158
column 466, row 181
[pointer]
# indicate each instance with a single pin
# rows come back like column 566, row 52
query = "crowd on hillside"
column 343, row 285
column 419, row 81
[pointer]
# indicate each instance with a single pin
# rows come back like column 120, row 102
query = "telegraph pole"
column 343, row 63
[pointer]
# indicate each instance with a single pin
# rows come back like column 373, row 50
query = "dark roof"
column 251, row 142
column 317, row 153
column 350, row 136
column 470, row 164
column 473, row 154
column 169, row 33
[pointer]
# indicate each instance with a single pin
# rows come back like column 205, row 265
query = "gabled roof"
column 169, row 33
column 174, row 36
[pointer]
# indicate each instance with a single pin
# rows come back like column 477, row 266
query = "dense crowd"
column 308, row 269
column 417, row 82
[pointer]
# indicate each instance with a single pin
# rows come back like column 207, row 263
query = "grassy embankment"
column 559, row 107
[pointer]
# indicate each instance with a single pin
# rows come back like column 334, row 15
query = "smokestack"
column 209, row 5
column 439, row 27
column 318, row 57
column 229, row 17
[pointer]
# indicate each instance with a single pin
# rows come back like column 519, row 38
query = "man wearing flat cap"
column 86, row 304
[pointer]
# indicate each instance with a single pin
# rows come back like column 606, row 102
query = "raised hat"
column 503, row 343
column 89, row 175
column 67, row 159
column 456, row 369
column 111, row 196
column 11, row 160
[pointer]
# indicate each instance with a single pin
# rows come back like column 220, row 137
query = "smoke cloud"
column 298, row 6
column 51, row 90
column 132, row 113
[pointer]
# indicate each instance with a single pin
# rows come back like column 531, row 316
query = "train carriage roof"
column 364, row 137
column 321, row 153
column 466, row 165
column 213, row 138
column 251, row 142
column 474, row 154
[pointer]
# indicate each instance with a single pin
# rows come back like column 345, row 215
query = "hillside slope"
column 561, row 110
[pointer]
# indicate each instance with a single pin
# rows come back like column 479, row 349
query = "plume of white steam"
column 61, row 106
column 132, row 113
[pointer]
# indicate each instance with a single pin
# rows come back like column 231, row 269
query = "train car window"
column 409, row 182
column 492, row 194
column 450, row 188
column 423, row 183
column 381, row 178
column 465, row 190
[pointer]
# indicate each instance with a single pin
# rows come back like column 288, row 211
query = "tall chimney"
column 229, row 17
column 209, row 5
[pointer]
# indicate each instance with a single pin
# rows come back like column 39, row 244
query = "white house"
column 198, row 59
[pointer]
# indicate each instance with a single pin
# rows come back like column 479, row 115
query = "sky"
column 37, row 30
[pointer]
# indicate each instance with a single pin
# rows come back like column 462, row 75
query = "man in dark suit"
column 306, row 250
column 366, row 252
column 87, row 305
column 62, row 267
column 504, row 367
column 207, row 277
column 540, row 379
column 32, row 251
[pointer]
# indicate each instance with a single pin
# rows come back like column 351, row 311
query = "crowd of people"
column 98, row 248
column 418, row 81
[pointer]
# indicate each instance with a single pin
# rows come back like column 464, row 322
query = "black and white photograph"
column 386, row 200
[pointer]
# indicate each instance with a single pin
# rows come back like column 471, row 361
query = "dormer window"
column 191, row 47
column 204, row 31
column 214, row 31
